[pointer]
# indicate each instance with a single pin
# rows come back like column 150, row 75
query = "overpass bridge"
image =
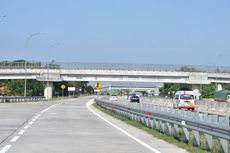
column 52, row 72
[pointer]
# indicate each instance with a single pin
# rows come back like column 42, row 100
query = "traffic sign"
column 71, row 88
column 98, row 85
column 62, row 86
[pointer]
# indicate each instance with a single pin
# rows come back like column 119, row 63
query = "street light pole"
column 47, row 83
column 26, row 46
column 25, row 79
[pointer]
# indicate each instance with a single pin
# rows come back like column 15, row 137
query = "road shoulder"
column 159, row 144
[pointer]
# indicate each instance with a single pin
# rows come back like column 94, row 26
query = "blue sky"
column 193, row 32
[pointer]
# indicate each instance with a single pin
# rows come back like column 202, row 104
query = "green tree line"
column 16, row 87
column 207, row 90
column 36, row 88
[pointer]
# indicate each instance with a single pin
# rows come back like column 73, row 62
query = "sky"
column 181, row 32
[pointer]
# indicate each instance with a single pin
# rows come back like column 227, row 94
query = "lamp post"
column 26, row 46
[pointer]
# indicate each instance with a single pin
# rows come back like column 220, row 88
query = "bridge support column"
column 219, row 87
column 196, row 90
column 48, row 92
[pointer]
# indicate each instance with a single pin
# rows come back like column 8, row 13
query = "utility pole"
column 26, row 50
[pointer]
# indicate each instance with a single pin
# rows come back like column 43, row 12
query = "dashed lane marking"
column 27, row 126
column 21, row 132
column 5, row 148
column 14, row 139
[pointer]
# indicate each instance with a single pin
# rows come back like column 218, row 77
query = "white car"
column 113, row 97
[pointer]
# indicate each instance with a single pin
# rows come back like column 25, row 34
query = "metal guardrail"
column 21, row 99
column 114, row 66
column 166, row 120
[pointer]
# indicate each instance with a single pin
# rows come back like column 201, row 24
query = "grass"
column 170, row 139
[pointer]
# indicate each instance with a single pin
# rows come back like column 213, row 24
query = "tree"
column 226, row 86
column 169, row 89
column 35, row 88
column 4, row 90
column 16, row 87
column 208, row 90
column 81, row 87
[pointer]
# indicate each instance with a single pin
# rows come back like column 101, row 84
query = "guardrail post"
column 196, row 115
column 205, row 116
column 123, row 113
column 151, row 123
column 226, row 120
column 132, row 116
column 126, row 114
column 196, row 138
column 215, row 119
column 142, row 119
column 147, row 121
column 129, row 115
column 223, row 146
column 139, row 118
column 185, row 135
column 155, row 124
column 120, row 112
column 168, row 129
column 176, row 131
column 162, row 127
column 208, row 142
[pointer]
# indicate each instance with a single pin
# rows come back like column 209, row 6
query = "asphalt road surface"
column 71, row 127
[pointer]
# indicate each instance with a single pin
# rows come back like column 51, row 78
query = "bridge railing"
column 113, row 66
column 171, row 121
column 28, row 65
column 6, row 99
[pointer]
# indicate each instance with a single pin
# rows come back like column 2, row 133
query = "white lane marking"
column 21, row 132
column 27, row 126
column 14, row 139
column 34, row 119
column 5, row 148
column 120, row 129
column 47, row 109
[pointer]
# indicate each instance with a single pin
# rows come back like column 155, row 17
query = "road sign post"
column 71, row 89
column 62, row 87
column 97, row 86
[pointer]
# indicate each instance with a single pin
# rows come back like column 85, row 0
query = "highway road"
column 71, row 126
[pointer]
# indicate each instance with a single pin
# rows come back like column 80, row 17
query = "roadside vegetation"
column 171, row 139
column 207, row 90
column 36, row 88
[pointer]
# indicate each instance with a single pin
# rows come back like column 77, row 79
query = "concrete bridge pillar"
column 219, row 87
column 196, row 89
column 48, row 92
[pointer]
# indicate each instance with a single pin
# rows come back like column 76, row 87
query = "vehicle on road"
column 135, row 98
column 184, row 100
column 113, row 97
